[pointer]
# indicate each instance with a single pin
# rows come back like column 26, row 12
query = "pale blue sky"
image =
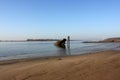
column 81, row 19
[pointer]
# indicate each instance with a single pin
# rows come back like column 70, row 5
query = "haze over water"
column 56, row 19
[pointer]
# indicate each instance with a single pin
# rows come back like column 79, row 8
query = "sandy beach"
column 103, row 65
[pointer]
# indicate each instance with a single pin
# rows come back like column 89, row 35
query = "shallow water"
column 18, row 50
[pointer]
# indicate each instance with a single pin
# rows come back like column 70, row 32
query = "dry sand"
column 103, row 65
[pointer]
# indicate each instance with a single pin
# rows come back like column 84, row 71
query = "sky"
column 80, row 19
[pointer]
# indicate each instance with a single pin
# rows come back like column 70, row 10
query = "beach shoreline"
column 103, row 65
column 27, row 59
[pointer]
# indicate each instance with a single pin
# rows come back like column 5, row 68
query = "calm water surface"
column 17, row 50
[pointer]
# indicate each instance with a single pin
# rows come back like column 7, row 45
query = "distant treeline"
column 12, row 40
column 42, row 39
column 33, row 40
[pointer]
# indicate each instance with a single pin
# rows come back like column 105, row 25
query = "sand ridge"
column 103, row 65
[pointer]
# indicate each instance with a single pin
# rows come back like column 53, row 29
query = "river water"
column 19, row 50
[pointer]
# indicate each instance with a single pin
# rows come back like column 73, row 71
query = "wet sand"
column 103, row 65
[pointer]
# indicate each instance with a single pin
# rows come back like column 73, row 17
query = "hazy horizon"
column 55, row 19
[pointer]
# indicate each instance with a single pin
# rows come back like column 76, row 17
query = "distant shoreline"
column 108, row 40
column 33, row 40
column 29, row 40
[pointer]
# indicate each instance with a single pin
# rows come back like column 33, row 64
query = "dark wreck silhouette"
column 61, row 43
